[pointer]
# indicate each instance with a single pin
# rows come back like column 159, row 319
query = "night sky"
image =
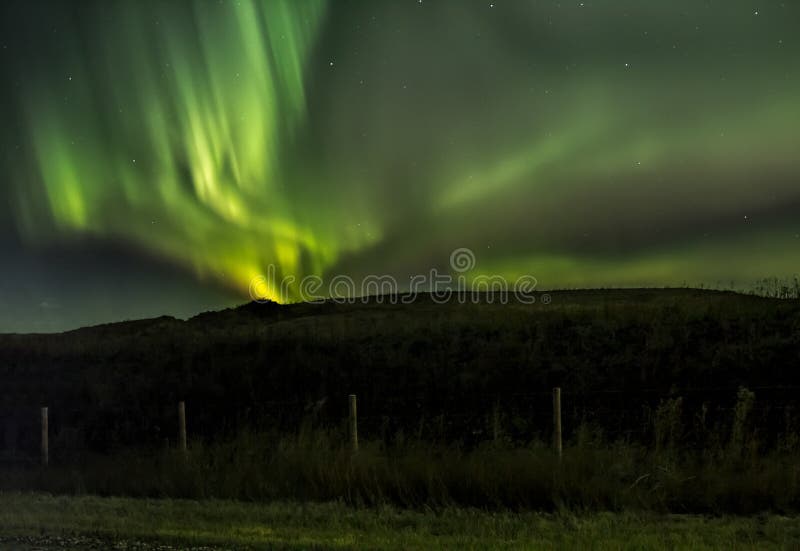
column 159, row 155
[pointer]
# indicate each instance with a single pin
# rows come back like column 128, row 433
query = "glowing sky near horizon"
column 585, row 143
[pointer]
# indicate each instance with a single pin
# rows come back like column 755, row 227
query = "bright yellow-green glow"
column 203, row 111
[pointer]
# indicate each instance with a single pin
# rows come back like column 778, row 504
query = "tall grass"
column 729, row 472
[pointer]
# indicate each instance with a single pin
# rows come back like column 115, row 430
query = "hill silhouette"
column 614, row 352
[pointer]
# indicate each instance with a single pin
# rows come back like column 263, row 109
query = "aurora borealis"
column 623, row 143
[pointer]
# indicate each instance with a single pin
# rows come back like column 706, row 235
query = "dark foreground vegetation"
column 674, row 400
column 593, row 474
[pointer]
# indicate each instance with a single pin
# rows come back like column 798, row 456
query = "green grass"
column 283, row 525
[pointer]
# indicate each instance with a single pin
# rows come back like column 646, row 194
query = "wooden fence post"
column 496, row 422
column 45, row 444
column 182, row 426
column 557, row 421
column 353, row 423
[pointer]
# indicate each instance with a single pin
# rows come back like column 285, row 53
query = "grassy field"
column 676, row 402
column 29, row 521
column 317, row 466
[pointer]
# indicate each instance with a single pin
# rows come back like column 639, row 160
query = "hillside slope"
column 263, row 364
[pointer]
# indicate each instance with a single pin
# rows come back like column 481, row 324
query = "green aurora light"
column 589, row 144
